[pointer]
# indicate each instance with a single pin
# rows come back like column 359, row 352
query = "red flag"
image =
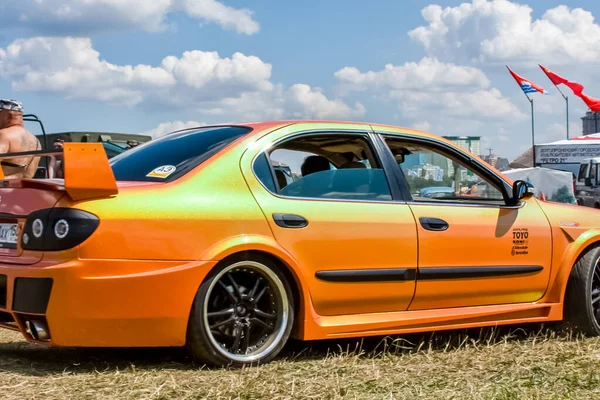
column 593, row 104
column 557, row 80
column 526, row 85
column 577, row 88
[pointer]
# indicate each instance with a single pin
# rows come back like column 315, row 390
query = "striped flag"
column 526, row 85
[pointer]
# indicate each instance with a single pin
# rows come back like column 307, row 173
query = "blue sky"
column 116, row 65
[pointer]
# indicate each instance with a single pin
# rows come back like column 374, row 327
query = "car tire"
column 582, row 296
column 251, row 315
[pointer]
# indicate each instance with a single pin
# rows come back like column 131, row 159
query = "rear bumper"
column 101, row 303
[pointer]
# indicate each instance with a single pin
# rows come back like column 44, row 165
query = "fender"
column 581, row 239
column 307, row 316
column 266, row 244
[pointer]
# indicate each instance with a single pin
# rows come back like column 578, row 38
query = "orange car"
column 230, row 239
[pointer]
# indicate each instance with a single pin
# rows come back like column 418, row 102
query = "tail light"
column 55, row 229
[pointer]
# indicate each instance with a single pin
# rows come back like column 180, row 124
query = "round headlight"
column 37, row 228
column 61, row 229
column 25, row 238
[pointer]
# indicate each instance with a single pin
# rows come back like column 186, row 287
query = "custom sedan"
column 200, row 239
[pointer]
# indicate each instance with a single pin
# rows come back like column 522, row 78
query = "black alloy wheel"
column 242, row 314
column 582, row 297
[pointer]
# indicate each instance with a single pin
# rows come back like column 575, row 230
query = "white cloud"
column 73, row 68
column 197, row 80
column 168, row 127
column 227, row 17
column 556, row 131
column 431, row 86
column 501, row 30
column 85, row 17
column 427, row 74
column 422, row 126
column 301, row 102
column 479, row 104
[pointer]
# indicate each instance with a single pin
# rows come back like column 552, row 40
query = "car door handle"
column 433, row 224
column 290, row 220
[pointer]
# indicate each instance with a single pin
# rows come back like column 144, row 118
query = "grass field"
column 513, row 363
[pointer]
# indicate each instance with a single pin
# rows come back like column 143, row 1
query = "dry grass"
column 535, row 363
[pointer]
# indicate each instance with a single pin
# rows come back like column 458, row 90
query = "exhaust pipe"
column 39, row 330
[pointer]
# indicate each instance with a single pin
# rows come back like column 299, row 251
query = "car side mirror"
column 520, row 190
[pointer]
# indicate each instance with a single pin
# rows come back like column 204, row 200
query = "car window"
column 582, row 172
column 171, row 156
column 263, row 172
column 112, row 150
column 327, row 166
column 433, row 176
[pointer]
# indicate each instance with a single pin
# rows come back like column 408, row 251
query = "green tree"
column 562, row 195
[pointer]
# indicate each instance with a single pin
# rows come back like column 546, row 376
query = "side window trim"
column 436, row 145
column 394, row 175
column 372, row 140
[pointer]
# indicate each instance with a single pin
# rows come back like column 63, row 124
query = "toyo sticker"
column 162, row 172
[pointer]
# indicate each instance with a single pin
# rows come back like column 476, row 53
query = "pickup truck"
column 587, row 190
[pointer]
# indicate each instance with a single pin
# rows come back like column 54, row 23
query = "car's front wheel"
column 582, row 297
column 242, row 314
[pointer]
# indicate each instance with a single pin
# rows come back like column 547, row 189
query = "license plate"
column 8, row 236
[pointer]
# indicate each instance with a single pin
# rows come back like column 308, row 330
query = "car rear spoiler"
column 86, row 169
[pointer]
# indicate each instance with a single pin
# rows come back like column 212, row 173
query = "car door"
column 474, row 249
column 338, row 218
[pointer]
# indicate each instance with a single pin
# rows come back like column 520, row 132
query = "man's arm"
column 52, row 167
column 5, row 148
column 4, row 143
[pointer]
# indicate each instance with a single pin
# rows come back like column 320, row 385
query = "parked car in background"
column 112, row 143
column 436, row 191
column 587, row 187
column 283, row 173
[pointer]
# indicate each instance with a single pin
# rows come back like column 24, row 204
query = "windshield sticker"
column 162, row 172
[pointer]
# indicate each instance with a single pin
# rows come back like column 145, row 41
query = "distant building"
column 590, row 123
column 470, row 143
column 500, row 163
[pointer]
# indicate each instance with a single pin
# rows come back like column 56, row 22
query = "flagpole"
column 528, row 85
column 532, row 127
column 567, row 101
column 553, row 79
column 532, row 131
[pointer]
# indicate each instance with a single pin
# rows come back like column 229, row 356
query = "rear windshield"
column 171, row 156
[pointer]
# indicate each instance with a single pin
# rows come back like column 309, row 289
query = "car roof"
column 259, row 126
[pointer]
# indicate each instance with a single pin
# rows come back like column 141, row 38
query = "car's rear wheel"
column 582, row 297
column 242, row 314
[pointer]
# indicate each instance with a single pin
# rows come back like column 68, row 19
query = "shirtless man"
column 14, row 138
column 55, row 166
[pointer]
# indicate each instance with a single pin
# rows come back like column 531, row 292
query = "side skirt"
column 403, row 322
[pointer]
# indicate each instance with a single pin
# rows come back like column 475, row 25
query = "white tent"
column 556, row 185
